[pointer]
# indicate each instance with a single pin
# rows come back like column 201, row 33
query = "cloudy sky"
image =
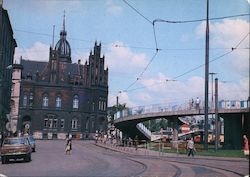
column 139, row 73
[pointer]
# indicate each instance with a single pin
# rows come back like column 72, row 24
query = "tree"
column 114, row 109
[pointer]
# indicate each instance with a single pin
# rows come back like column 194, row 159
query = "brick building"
column 60, row 97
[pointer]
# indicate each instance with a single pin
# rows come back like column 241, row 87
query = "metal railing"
column 170, row 107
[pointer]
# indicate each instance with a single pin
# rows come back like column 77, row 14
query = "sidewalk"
column 147, row 152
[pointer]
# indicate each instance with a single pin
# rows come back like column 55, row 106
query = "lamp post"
column 217, row 129
column 212, row 94
column 212, row 99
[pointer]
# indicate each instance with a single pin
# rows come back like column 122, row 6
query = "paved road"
column 88, row 159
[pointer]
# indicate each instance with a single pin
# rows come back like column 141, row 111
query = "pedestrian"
column 96, row 136
column 190, row 147
column 68, row 146
column 192, row 103
column 136, row 142
column 245, row 146
column 197, row 103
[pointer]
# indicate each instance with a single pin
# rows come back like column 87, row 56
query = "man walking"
column 190, row 147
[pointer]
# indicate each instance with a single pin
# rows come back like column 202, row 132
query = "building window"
column 75, row 102
column 74, row 124
column 12, row 89
column 62, row 123
column 55, row 123
column 46, row 123
column 87, row 124
column 25, row 100
column 45, row 101
column 31, row 99
column 104, row 106
column 58, row 102
column 100, row 105
column 50, row 121
column 93, row 106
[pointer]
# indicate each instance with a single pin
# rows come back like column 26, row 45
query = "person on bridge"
column 197, row 103
column 246, row 146
column 190, row 147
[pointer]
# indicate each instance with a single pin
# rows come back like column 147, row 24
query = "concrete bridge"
column 236, row 119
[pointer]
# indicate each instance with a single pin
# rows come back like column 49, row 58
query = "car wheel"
column 4, row 159
column 28, row 157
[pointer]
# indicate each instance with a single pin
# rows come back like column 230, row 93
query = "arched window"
column 31, row 99
column 25, row 100
column 45, row 101
column 75, row 102
column 58, row 102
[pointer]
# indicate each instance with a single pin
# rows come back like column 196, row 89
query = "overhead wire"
column 199, row 66
column 169, row 21
column 138, row 12
column 198, row 20
column 144, row 70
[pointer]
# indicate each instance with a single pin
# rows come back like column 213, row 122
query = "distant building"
column 60, row 97
column 15, row 96
column 7, row 49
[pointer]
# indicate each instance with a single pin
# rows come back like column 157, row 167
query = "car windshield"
column 31, row 139
column 14, row 141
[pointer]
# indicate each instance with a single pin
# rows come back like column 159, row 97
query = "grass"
column 223, row 153
column 200, row 151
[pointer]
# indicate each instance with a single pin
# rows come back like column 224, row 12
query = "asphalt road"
column 87, row 159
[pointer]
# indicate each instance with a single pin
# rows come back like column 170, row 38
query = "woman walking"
column 68, row 146
column 246, row 146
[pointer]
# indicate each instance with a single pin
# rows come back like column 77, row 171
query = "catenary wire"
column 199, row 66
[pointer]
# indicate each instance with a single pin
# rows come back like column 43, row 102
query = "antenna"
column 64, row 20
column 53, row 36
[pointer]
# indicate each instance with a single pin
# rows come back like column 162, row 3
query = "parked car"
column 15, row 148
column 32, row 142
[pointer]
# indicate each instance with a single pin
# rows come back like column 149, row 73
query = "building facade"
column 7, row 49
column 15, row 96
column 59, row 97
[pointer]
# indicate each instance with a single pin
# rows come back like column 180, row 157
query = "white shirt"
column 190, row 144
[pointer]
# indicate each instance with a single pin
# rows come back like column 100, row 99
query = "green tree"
column 112, row 110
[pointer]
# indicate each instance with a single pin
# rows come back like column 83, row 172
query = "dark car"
column 32, row 142
column 15, row 148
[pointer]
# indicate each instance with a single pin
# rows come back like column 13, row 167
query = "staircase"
column 144, row 130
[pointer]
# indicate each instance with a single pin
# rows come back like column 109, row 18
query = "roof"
column 32, row 67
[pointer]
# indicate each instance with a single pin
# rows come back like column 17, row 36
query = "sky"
column 149, row 63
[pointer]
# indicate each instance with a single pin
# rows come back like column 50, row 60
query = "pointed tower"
column 62, row 47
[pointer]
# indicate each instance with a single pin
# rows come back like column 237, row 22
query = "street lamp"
column 212, row 74
column 217, row 129
column 212, row 101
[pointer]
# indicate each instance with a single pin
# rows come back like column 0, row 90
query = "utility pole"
column 217, row 124
column 249, row 67
column 206, row 79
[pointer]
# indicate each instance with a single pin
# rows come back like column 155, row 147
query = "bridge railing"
column 168, row 107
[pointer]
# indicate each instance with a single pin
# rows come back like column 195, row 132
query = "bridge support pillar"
column 233, row 134
column 175, row 131
column 246, row 125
